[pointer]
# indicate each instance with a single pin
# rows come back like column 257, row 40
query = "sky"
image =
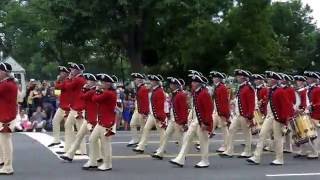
column 315, row 5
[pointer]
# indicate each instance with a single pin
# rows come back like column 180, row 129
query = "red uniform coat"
column 8, row 102
column 262, row 96
column 75, row 86
column 65, row 96
column 314, row 98
column 91, row 107
column 106, row 102
column 204, row 108
column 180, row 107
column 157, row 104
column 291, row 94
column 281, row 105
column 143, row 100
column 303, row 98
column 221, row 99
column 246, row 101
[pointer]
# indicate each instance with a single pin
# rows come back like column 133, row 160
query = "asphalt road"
column 33, row 161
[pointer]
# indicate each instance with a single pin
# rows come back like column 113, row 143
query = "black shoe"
column 311, row 158
column 90, row 168
column 100, row 161
column 274, row 164
column 225, row 155
column 79, row 154
column 287, row 152
column 60, row 152
column 252, row 162
column 1, row 164
column 53, row 144
column 138, row 151
column 197, row 166
column 157, row 157
column 61, row 146
column 198, row 148
column 132, row 145
column 175, row 163
column 299, row 156
column 66, row 158
column 242, row 157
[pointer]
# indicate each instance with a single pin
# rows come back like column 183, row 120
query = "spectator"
column 38, row 120
column 25, row 123
column 31, row 85
column 47, row 96
column 128, row 110
column 119, row 109
column 34, row 99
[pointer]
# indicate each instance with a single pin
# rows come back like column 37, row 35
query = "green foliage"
column 112, row 36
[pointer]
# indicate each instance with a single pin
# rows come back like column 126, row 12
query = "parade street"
column 34, row 161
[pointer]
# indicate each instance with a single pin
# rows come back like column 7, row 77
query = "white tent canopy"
column 16, row 67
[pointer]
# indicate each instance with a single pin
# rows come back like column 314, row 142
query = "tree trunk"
column 135, row 46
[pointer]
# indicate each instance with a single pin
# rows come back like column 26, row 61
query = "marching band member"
column 141, row 110
column 221, row 106
column 279, row 113
column 210, row 91
column 245, row 105
column 294, row 99
column 261, row 93
column 201, row 123
column 179, row 115
column 261, row 100
column 64, row 105
column 157, row 115
column 8, row 112
column 75, row 116
column 106, row 99
column 302, row 91
column 87, row 126
column 313, row 109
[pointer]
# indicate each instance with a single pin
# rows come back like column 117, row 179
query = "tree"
column 292, row 23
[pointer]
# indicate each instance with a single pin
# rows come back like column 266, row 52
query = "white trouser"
column 1, row 155
column 151, row 121
column 312, row 146
column 97, row 134
column 287, row 142
column 223, row 125
column 239, row 122
column 84, row 130
column 136, row 120
column 270, row 125
column 58, row 117
column 173, row 127
column 6, row 151
column 190, row 120
column 194, row 129
column 70, row 133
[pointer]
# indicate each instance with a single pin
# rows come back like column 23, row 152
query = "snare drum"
column 303, row 130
